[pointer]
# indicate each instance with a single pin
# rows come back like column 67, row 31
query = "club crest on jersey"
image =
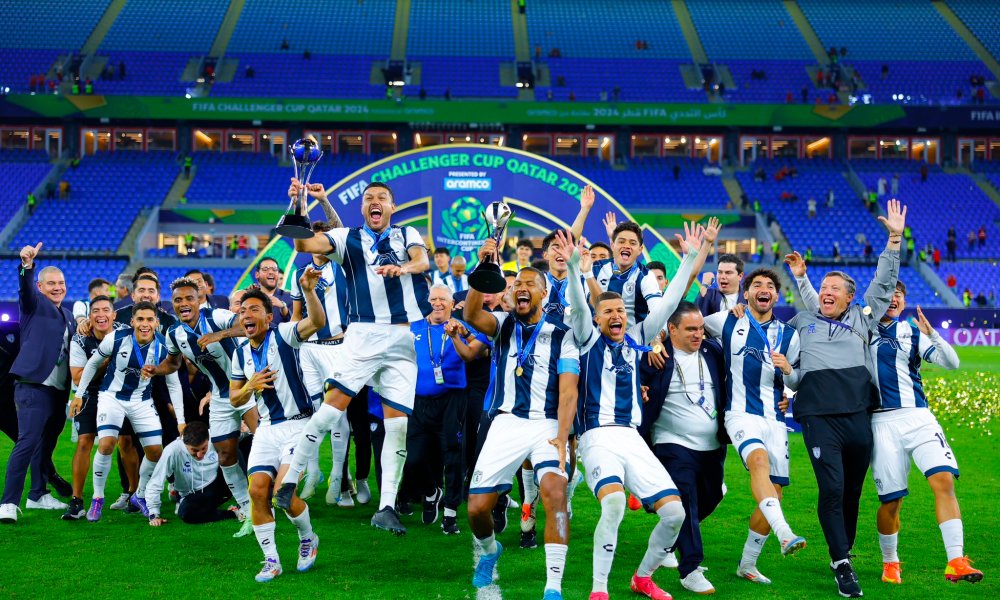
column 878, row 484
column 816, row 452
column 477, row 477
column 756, row 353
column 596, row 473
column 739, row 436
column 187, row 467
column 811, row 328
column 629, row 288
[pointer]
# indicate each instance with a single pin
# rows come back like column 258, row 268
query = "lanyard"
column 137, row 351
column 835, row 323
column 618, row 274
column 620, row 347
column 557, row 287
column 710, row 411
column 526, row 351
column 430, row 347
column 260, row 355
column 202, row 326
column 376, row 236
column 763, row 334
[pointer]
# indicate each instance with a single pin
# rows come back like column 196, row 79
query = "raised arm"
column 579, row 316
column 586, row 203
column 473, row 312
column 880, row 290
column 810, row 299
column 932, row 346
column 27, row 296
column 317, row 316
column 318, row 191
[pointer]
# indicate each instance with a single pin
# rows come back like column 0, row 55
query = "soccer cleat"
column 500, row 514
column 139, row 503
column 599, row 596
column 528, row 516
column 333, row 492
column 46, row 502
column 847, row 580
column 283, row 497
column 751, row 574
column 790, row 547
column 75, row 511
column 403, row 508
column 307, row 553
column 346, row 500
column 364, row 494
column 449, row 525
column 634, row 503
column 550, row 594
column 697, row 583
column 432, row 507
column 8, row 513
column 61, row 486
column 270, row 570
column 960, row 569
column 96, row 508
column 646, row 587
column 121, row 503
column 132, row 510
column 309, row 485
column 670, row 561
column 571, row 489
column 387, row 520
column 892, row 572
column 483, row 575
column 246, row 528
column 529, row 539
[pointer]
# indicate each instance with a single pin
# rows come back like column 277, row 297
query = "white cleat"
column 309, row 486
column 364, row 494
column 751, row 574
column 270, row 570
column 670, row 562
column 47, row 502
column 121, row 503
column 333, row 492
column 307, row 553
column 696, row 582
column 346, row 500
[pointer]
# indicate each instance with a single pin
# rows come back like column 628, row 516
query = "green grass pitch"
column 44, row 557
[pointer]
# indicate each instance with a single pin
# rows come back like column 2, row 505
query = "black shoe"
column 500, row 514
column 61, row 486
column 76, row 511
column 388, row 520
column 847, row 581
column 131, row 509
column 449, row 525
column 403, row 508
column 283, row 497
column 431, row 508
column 528, row 539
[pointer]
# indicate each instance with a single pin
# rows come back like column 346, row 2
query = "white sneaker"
column 670, row 561
column 696, row 582
column 346, row 500
column 8, row 513
column 270, row 570
column 333, row 492
column 47, row 502
column 309, row 486
column 751, row 574
column 121, row 502
column 364, row 494
column 307, row 553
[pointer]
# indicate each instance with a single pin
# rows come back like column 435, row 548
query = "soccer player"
column 522, row 256
column 600, row 251
column 96, row 287
column 265, row 368
column 442, row 260
column 207, row 338
column 728, row 275
column 658, row 270
column 834, row 394
column 761, row 353
column 125, row 392
column 627, row 277
column 534, row 399
column 386, row 289
column 457, row 281
column 611, row 409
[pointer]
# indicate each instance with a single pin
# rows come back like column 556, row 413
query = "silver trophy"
column 487, row 277
column 295, row 222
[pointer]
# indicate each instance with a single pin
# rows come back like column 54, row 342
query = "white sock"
column 340, row 436
column 265, row 538
column 307, row 446
column 145, row 472
column 771, row 507
column 312, row 469
column 102, row 464
column 752, row 547
column 302, row 524
column 236, row 479
column 450, row 512
column 888, row 545
column 836, row 563
column 954, row 539
column 662, row 538
column 393, row 459
column 606, row 538
column 555, row 564
column 530, row 487
column 487, row 544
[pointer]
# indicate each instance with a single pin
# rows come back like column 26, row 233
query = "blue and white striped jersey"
column 438, row 278
column 636, row 286
column 373, row 298
column 214, row 360
column 332, row 291
column 549, row 351
column 557, row 301
column 288, row 398
column 609, row 371
column 755, row 385
column 899, row 348
column 456, row 284
column 123, row 378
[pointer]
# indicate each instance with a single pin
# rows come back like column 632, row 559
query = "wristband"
column 588, row 275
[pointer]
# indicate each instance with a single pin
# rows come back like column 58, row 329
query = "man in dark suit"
column 42, row 388
column 683, row 422
column 268, row 277
column 214, row 300
column 726, row 293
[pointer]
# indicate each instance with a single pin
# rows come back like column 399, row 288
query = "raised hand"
column 586, row 261
column 796, row 264
column 488, row 250
column 563, row 247
column 587, row 197
column 707, row 278
column 310, row 277
column 896, row 220
column 610, row 224
column 29, row 253
column 294, row 188
column 922, row 323
column 317, row 191
column 712, row 229
column 691, row 240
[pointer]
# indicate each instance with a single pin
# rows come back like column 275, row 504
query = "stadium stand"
column 983, row 19
column 763, row 31
column 181, row 26
column 225, row 278
column 460, row 29
column 979, row 277
column 322, row 76
column 78, row 272
column 48, row 23
column 20, row 171
column 649, row 182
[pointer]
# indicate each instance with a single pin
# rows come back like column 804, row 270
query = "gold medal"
column 519, row 371
column 866, row 311
column 657, row 348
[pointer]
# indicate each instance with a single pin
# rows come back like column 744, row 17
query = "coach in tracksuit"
column 836, row 392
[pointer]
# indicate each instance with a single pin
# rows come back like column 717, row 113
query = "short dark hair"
column 526, row 243
column 607, row 296
column 379, row 184
column 768, row 273
column 509, row 273
column 628, row 226
column 147, row 277
column 96, row 283
column 265, row 259
column 442, row 250
column 102, row 299
column 600, row 245
column 195, row 434
column 538, row 273
column 551, row 237
column 731, row 258
column 184, row 282
column 542, row 266
column 143, row 305
column 901, row 286
column 260, row 295
column 320, row 227
column 684, row 308
column 655, row 264
column 145, row 271
column 209, row 280
column 191, row 272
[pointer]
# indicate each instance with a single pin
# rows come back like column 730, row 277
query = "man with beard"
column 728, row 275
column 268, row 278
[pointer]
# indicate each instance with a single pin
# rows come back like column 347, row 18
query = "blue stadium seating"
column 460, row 29
column 983, row 19
column 649, row 182
column 921, row 82
column 748, row 30
column 181, row 26
column 291, row 76
column 78, row 272
column 20, row 171
column 225, row 278
column 19, row 65
column 639, row 80
column 783, row 76
column 466, row 77
column 108, row 190
column 976, row 276
column 147, row 73
column 49, row 23
column 344, row 27
column 918, row 291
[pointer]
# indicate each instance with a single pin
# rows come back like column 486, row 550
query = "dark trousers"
column 357, row 416
column 203, row 506
column 434, row 439
column 698, row 476
column 8, row 410
column 40, row 420
column 840, row 448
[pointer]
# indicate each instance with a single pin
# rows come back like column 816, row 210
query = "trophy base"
column 295, row 227
column 488, row 279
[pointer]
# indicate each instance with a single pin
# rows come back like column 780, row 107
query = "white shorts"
column 273, row 446
column 619, row 455
column 318, row 363
column 224, row 418
column 112, row 412
column 900, row 434
column 509, row 442
column 383, row 354
column 753, row 432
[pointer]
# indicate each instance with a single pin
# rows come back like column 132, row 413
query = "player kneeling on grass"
column 266, row 368
column 194, row 466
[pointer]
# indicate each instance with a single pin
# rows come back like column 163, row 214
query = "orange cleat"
column 892, row 572
column 634, row 503
column 959, row 569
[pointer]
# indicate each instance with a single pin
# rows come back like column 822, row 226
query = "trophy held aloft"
column 487, row 277
column 295, row 222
